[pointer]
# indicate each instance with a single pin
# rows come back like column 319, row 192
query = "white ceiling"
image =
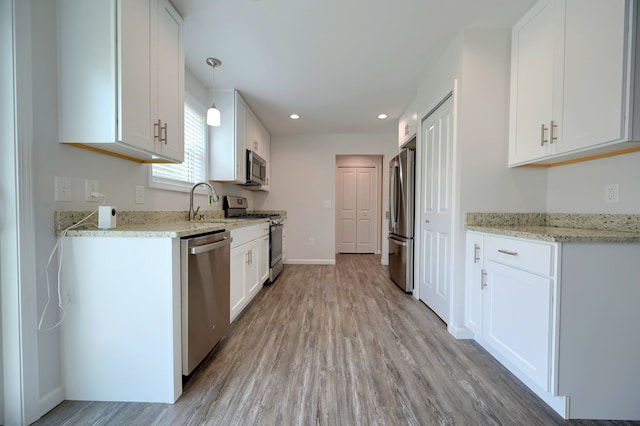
column 336, row 63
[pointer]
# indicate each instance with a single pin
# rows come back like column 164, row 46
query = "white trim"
column 19, row 314
column 310, row 262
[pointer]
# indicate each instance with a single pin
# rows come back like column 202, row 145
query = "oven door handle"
column 209, row 247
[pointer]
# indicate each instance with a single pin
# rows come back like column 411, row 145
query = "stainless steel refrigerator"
column 401, row 213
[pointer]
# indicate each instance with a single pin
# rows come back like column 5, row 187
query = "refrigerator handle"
column 393, row 198
column 397, row 242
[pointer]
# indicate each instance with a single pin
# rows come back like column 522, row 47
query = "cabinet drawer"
column 522, row 254
column 248, row 233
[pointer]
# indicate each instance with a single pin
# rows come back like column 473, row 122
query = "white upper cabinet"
column 228, row 155
column 571, row 80
column 407, row 125
column 240, row 130
column 259, row 141
column 121, row 78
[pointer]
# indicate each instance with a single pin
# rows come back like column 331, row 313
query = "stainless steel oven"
column 275, row 249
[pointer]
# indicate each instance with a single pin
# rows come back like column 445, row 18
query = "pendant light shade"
column 213, row 114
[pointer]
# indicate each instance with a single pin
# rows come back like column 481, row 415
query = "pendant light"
column 213, row 114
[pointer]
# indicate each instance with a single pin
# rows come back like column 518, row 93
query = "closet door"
column 357, row 203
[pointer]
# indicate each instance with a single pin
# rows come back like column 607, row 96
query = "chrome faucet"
column 212, row 197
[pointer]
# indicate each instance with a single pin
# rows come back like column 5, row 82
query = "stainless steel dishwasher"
column 205, row 261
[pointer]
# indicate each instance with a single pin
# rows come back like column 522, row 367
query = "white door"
column 436, row 216
column 366, row 203
column 357, row 209
column 346, row 200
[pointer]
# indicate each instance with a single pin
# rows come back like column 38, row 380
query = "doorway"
column 358, row 203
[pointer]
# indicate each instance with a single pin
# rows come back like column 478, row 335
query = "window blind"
column 194, row 167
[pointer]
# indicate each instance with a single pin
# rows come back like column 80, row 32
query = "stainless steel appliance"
column 237, row 207
column 205, row 282
column 401, row 208
column 256, row 169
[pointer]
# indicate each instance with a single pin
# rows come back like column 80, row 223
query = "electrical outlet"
column 611, row 193
column 89, row 187
column 139, row 194
column 63, row 189
column 312, row 241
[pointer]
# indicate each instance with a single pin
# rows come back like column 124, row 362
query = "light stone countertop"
column 558, row 227
column 169, row 230
column 151, row 224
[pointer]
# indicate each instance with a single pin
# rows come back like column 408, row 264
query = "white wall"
column 579, row 188
column 303, row 177
column 479, row 60
column 117, row 179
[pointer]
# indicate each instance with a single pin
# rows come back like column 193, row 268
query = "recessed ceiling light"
column 294, row 116
column 382, row 116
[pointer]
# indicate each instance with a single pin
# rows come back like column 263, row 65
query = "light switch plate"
column 139, row 194
column 63, row 189
column 89, row 187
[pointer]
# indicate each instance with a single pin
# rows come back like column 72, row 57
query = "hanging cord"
column 59, row 274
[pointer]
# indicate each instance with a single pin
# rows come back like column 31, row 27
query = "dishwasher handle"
column 209, row 247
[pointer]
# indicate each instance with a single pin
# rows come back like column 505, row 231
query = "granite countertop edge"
column 166, row 230
column 559, row 235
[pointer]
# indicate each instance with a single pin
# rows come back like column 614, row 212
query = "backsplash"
column 605, row 222
column 64, row 219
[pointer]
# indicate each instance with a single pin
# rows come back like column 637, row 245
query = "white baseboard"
column 51, row 400
column 310, row 262
column 460, row 332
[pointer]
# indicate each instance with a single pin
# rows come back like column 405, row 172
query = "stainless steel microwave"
column 256, row 169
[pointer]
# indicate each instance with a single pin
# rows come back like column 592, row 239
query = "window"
column 181, row 177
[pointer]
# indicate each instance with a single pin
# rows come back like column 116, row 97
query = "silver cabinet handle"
column 510, row 253
column 476, row 253
column 552, row 127
column 483, row 279
column 156, row 130
column 165, row 133
column 542, row 139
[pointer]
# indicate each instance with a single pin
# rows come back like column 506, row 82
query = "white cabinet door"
column 228, row 156
column 474, row 282
column 135, row 125
column 263, row 265
column 594, row 83
column 237, row 291
column 534, row 40
column 517, row 319
column 170, row 88
column 249, row 265
column 252, row 278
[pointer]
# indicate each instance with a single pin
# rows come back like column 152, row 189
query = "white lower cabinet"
column 517, row 318
column 559, row 317
column 122, row 325
column 249, row 265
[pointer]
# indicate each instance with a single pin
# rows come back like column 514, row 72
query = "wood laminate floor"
column 336, row 345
